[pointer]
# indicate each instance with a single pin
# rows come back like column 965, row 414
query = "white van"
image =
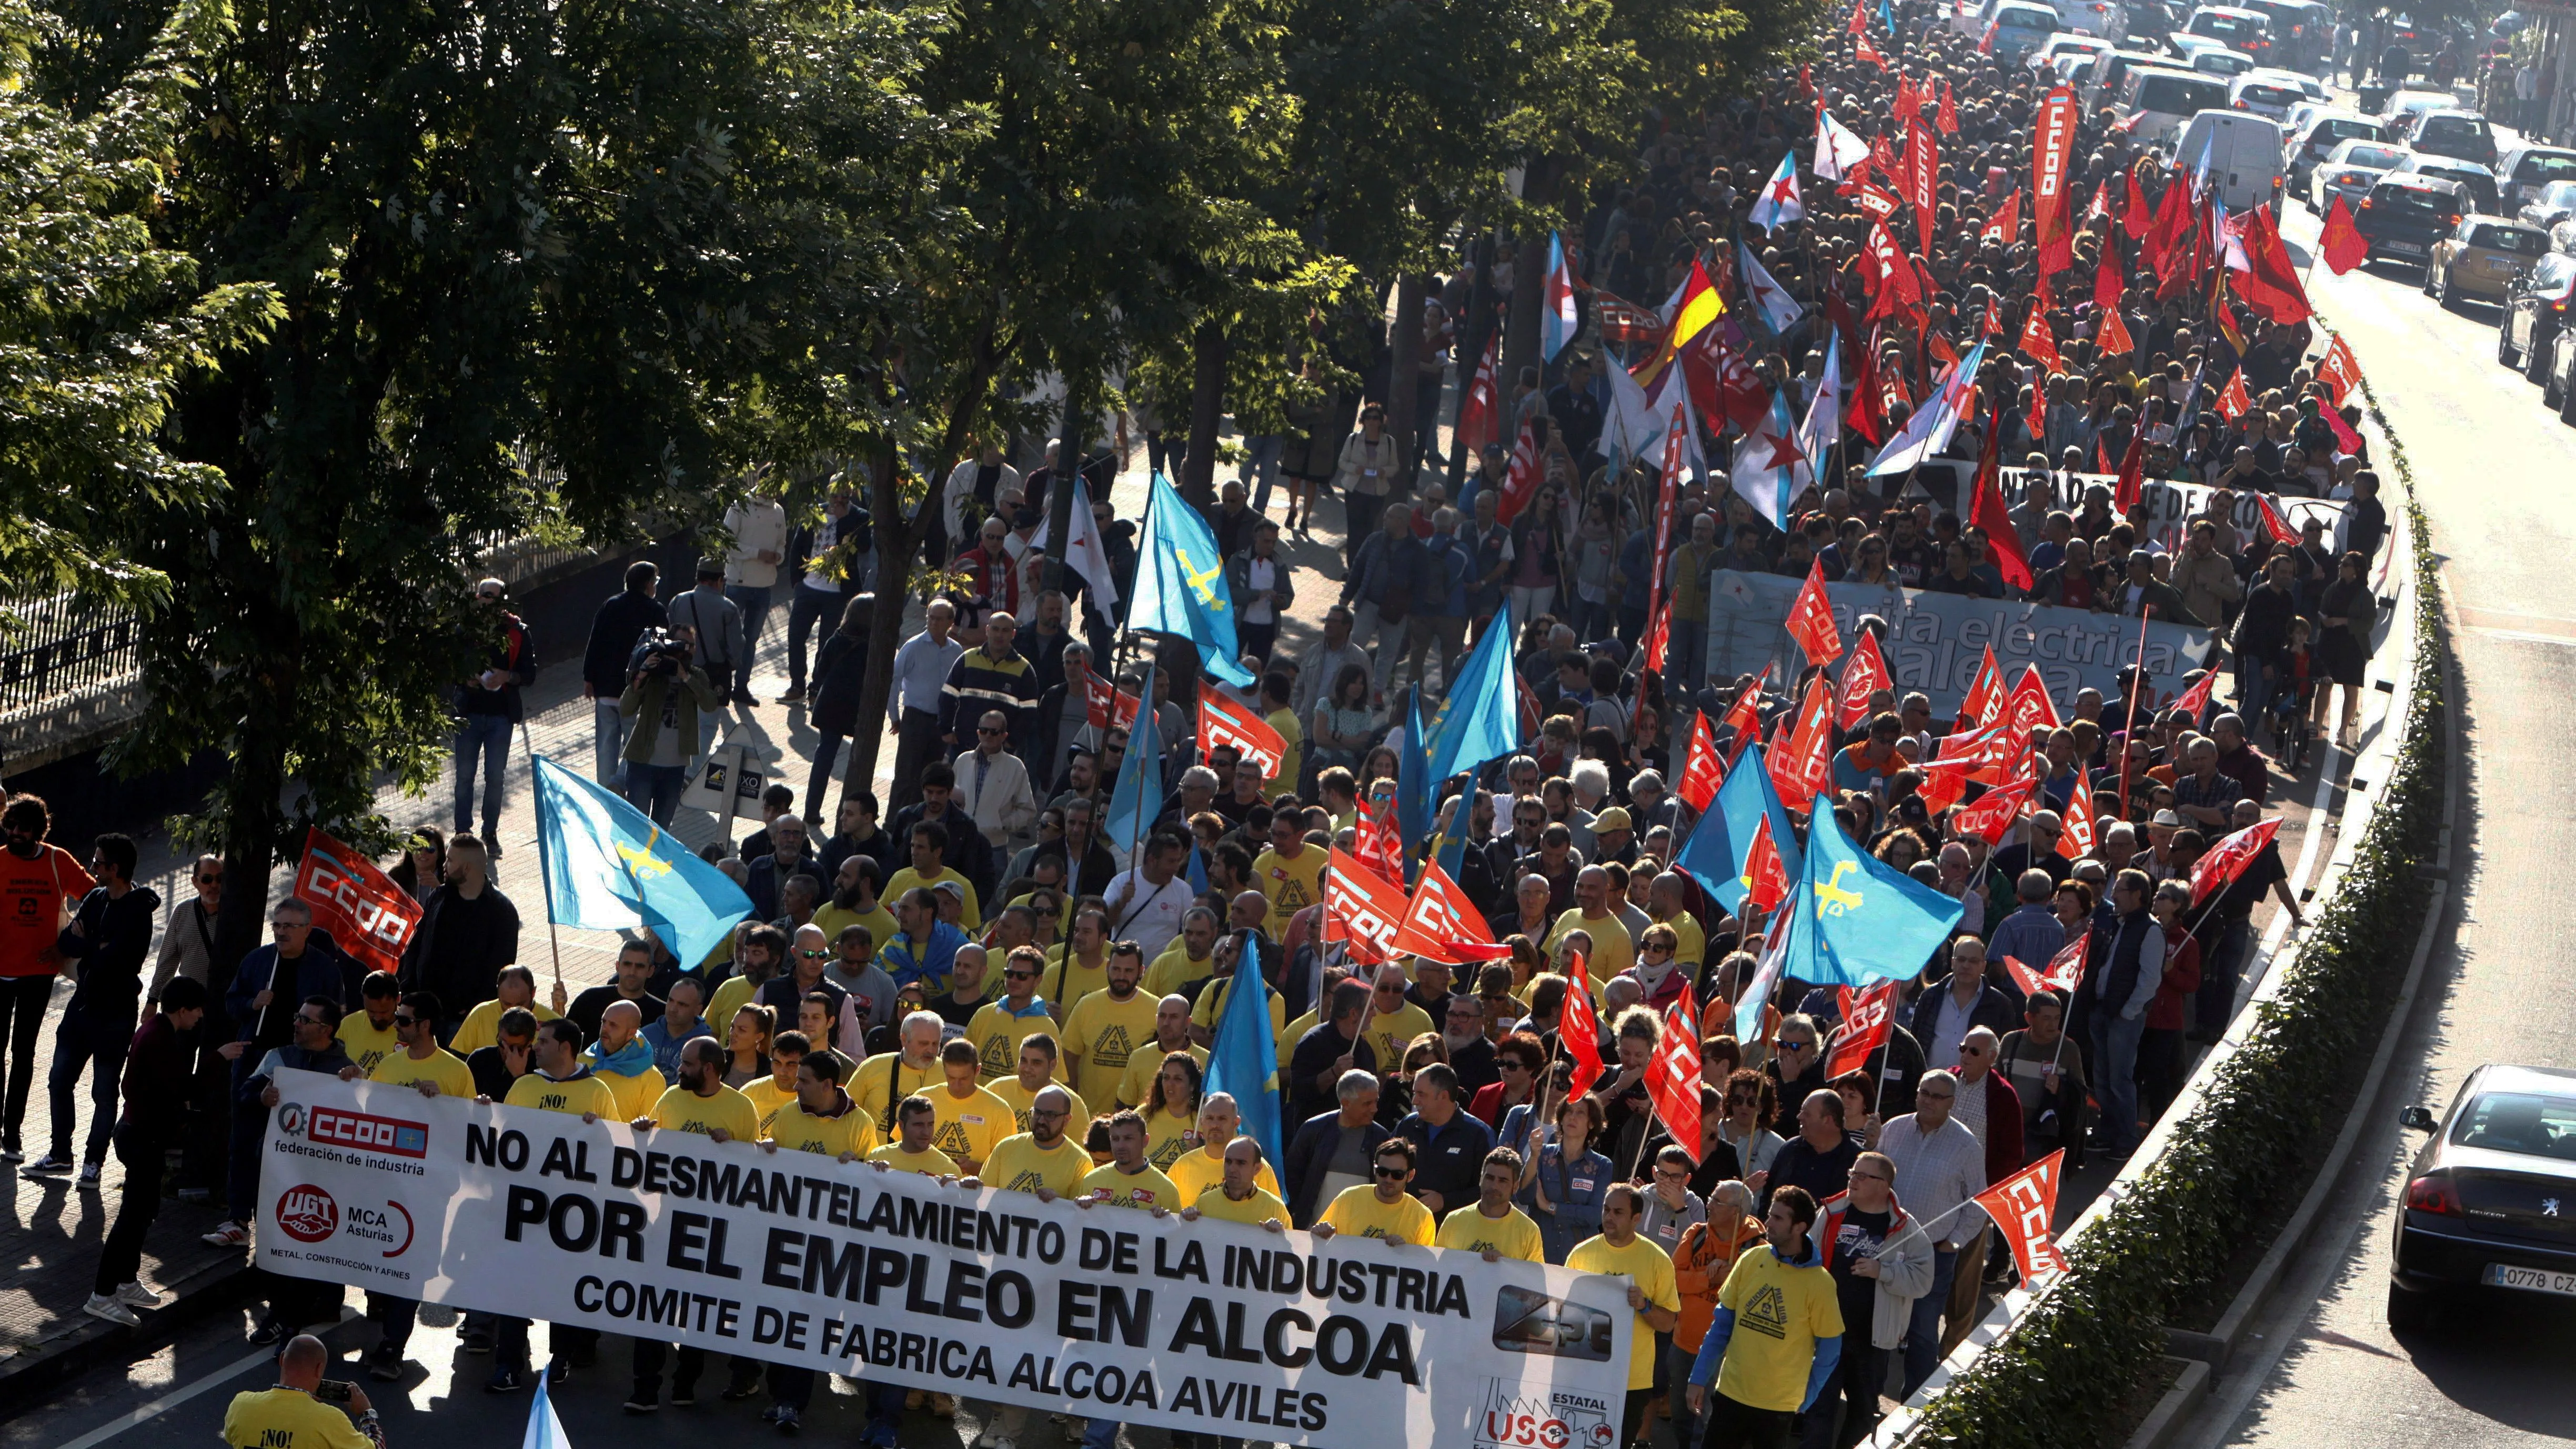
column 2244, row 156
column 2155, row 100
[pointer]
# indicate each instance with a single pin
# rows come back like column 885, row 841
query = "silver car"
column 2348, row 171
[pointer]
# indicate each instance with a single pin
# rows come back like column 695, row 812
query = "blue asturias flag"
column 607, row 865
column 1872, row 921
column 1138, row 797
column 1481, row 718
column 1722, row 843
column 1181, row 587
column 1243, row 1059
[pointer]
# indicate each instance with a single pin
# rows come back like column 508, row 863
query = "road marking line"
column 171, row 1400
column 2523, row 636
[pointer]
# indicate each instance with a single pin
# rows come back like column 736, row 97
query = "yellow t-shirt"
column 969, row 1127
column 868, row 1087
column 796, row 1130
column 1141, row 1067
column 1651, row 1269
column 482, row 1026
column 832, row 920
column 1196, row 1172
column 1210, row 1009
column 997, row 1035
column 1292, row 885
column 732, row 995
column 1103, row 1033
column 284, row 1418
column 1020, row 1165
column 1063, row 913
column 1292, row 760
column 1690, row 943
column 929, row 1162
column 1066, row 979
column 907, row 878
column 1010, row 1090
column 1780, row 1312
column 766, row 1097
column 445, row 1070
column 1612, row 951
column 1173, row 971
column 1389, row 1033
column 1513, row 1234
column 636, row 1096
column 1146, row 1189
column 1170, row 1135
column 575, row 1095
column 1293, row 1033
column 682, row 1110
column 1261, row 1207
column 1358, row 1212
column 365, row 1045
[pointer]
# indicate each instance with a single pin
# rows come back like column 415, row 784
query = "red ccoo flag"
column 1995, row 811
column 1865, row 1029
column 2077, row 839
column 2196, row 698
column 1811, row 619
column 2232, row 401
column 2004, row 228
column 2039, row 341
column 1222, row 721
column 1379, row 840
column 1520, row 482
column 1578, row 1031
column 1944, row 781
column 2340, row 371
column 1985, row 698
column 1109, row 702
column 2066, row 969
column 1701, row 772
column 1988, row 511
column 2342, row 245
column 2132, row 481
column 1673, row 1077
column 1947, row 122
column 1476, row 410
column 2114, row 338
column 2227, row 860
column 370, row 916
column 2273, row 523
column 1869, row 52
column 1804, row 766
column 1864, row 674
column 1361, row 907
column 2023, row 1206
column 1439, row 925
column 1766, row 879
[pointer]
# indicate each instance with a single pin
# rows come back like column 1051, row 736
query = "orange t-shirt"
column 31, row 907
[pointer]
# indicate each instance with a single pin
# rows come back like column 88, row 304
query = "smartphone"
column 333, row 1391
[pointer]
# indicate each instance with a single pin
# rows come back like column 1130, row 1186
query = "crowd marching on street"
column 1534, row 979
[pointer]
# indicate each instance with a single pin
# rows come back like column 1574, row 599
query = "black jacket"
column 1310, row 1152
column 1993, row 1009
column 515, row 654
column 468, row 980
column 837, row 671
column 114, row 941
column 613, row 632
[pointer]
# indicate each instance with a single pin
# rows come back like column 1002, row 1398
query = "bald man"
column 624, row 1060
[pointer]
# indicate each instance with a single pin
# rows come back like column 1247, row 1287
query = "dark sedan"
column 2491, row 1198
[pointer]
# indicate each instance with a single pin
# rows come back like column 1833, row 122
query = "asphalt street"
column 2492, row 470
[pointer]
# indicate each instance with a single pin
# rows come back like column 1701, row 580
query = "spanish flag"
column 1694, row 312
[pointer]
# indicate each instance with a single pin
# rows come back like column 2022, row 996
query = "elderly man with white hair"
column 1943, row 1167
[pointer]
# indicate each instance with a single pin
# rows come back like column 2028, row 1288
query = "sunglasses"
column 986, row 730
column 216, row 879
column 1019, row 976
column 402, row 1020
column 1793, row 1046
column 815, row 955
column 1397, row 1173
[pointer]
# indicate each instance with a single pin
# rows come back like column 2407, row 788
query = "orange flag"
column 1702, row 774
column 2024, row 1206
column 2115, row 332
column 1222, row 721
column 2341, row 244
column 1439, row 924
column 1811, row 619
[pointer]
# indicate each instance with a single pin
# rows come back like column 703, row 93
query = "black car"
column 2491, row 1197
column 2404, row 214
column 2535, row 307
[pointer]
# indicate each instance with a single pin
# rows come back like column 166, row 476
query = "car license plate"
column 2536, row 1280
column 2496, row 267
column 2406, row 248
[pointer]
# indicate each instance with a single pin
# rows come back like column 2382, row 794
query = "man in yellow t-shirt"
column 624, row 1061
column 1667, row 903
column 1381, row 1208
column 929, row 844
column 368, row 1037
column 1493, row 1226
column 290, row 1416
column 787, row 1051
column 1203, row 1167
column 516, row 986
column 1652, row 1291
column 1109, row 1026
column 420, row 1061
column 1209, row 1012
column 1043, row 1160
column 911, row 1150
column 560, row 1083
column 1594, row 914
column 1188, row 959
column 759, row 953
column 1782, row 1292
column 998, row 1027
column 1171, row 1034
column 1239, row 1197
column 1078, row 965
column 702, row 1103
column 1290, row 872
column 971, row 1121
column 1128, row 1180
column 1393, row 1022
column 884, row 1080
column 1038, row 1071
column 821, row 1118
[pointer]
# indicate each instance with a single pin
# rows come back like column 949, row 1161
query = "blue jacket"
column 1576, row 1188
column 320, row 971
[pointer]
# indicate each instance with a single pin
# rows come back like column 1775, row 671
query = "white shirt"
column 1941, row 1169
column 994, row 791
column 1147, row 914
column 758, row 525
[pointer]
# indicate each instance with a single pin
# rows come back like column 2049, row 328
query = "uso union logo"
column 307, row 1214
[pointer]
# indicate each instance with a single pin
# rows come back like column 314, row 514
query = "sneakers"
column 50, row 1165
column 492, row 844
column 558, row 1369
column 991, row 1440
column 12, row 1153
column 684, row 1396
column 270, row 1331
column 795, row 695
column 882, row 1437
column 383, row 1364
column 736, row 1390
column 227, row 1235
column 475, row 1340
column 89, row 1174
column 641, row 1404
column 788, row 1421
column 135, row 1295
column 504, row 1381
column 106, row 1306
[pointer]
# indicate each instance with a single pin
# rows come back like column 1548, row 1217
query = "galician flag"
column 1770, row 467
column 1779, row 202
column 1556, row 318
column 1086, row 555
column 1838, row 148
column 1928, row 431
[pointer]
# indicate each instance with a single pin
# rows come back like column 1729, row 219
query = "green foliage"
column 2060, row 1377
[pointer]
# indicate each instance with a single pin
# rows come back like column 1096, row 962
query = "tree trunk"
column 1520, row 330
column 1210, row 350
column 1474, row 332
column 898, row 541
column 1402, row 369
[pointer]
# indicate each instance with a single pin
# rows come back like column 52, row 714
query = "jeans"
column 483, row 739
column 885, row 1408
column 1382, row 638
column 791, row 1385
column 1855, row 1386
column 754, row 603
column 608, row 741
column 22, row 1008
column 1922, row 1343
column 811, row 607
column 1100, row 1434
column 396, row 1317
column 2220, row 972
column 1166, row 451
column 120, row 1257
column 2115, row 1066
column 649, row 1356
column 1257, row 640
column 1260, row 469
column 655, row 789
column 78, row 1044
column 1677, row 1368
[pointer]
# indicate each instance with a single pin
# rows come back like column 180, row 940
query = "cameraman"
column 665, row 690
column 295, row 1412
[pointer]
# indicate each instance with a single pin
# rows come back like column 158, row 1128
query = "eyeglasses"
column 1671, row 1174
column 402, row 1020
column 1793, row 1046
column 308, row 1020
column 986, row 730
column 216, row 879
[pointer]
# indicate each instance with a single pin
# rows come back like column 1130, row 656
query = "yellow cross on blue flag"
column 607, row 866
column 1872, row 921
column 1181, row 587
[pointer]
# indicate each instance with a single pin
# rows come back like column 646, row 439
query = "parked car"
column 2222, row 62
column 2156, row 100
column 2234, row 27
column 2315, row 137
column 2403, row 215
column 2107, row 19
column 2464, row 134
column 2244, row 153
column 2348, row 171
column 2266, row 93
column 2478, row 260
column 2401, row 105
column 2016, row 32
column 2483, row 1208
column 2113, row 69
column 2551, row 205
column 2476, row 181
column 2535, row 309
column 2523, row 170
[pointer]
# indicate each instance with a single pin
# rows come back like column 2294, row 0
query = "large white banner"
column 2168, row 505
column 793, row 1258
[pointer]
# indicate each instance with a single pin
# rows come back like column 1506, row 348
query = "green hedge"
column 2063, row 1375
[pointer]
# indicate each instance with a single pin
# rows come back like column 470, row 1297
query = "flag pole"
column 2129, row 726
column 545, row 869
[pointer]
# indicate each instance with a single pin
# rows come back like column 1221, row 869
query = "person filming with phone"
column 305, row 1410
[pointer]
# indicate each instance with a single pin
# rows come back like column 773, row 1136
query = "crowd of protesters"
column 973, row 979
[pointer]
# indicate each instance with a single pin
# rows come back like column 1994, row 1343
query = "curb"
column 2167, row 1416
column 43, row 1367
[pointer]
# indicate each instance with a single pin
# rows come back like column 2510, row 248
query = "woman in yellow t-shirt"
column 1171, row 1111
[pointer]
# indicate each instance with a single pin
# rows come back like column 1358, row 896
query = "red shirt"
column 32, row 893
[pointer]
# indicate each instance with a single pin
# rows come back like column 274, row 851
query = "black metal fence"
column 66, row 647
